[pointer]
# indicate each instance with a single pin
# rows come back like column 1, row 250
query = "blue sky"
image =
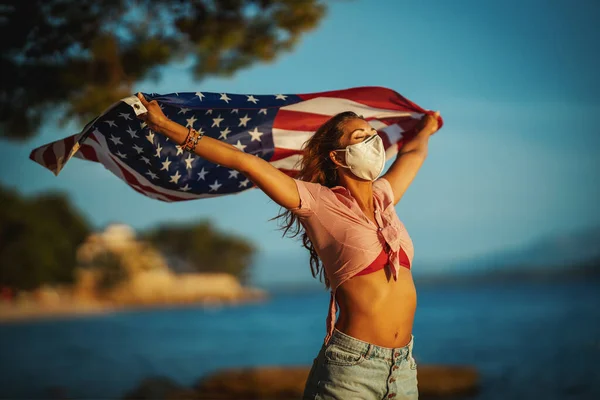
column 515, row 81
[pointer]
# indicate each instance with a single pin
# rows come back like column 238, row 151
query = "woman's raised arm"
column 278, row 186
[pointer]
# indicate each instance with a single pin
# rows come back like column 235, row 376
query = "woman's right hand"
column 154, row 118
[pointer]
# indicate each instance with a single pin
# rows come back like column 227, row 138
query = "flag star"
column 125, row 115
column 115, row 140
column 179, row 150
column 150, row 137
column 111, row 123
column 224, row 133
column 225, row 98
column 175, row 178
column 215, row 186
column 190, row 122
column 158, row 150
column 200, row 95
column 151, row 174
column 234, row 111
column 144, row 159
column 280, row 97
column 252, row 99
column 262, row 111
column 217, row 121
column 201, row 174
column 244, row 183
column 183, row 110
column 255, row 134
column 233, row 173
column 143, row 125
column 138, row 149
column 132, row 132
column 240, row 146
column 160, row 106
column 244, row 121
column 186, row 188
column 208, row 112
column 188, row 161
column 123, row 156
column 166, row 164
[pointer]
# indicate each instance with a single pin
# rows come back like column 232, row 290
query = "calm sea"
column 528, row 340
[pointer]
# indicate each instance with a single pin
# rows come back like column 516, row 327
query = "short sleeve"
column 383, row 186
column 309, row 193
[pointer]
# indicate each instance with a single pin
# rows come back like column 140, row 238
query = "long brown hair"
column 317, row 167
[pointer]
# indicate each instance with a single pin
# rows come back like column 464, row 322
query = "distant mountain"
column 561, row 250
column 568, row 255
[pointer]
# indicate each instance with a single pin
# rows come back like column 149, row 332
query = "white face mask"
column 366, row 159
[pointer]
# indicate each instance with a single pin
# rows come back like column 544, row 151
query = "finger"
column 142, row 99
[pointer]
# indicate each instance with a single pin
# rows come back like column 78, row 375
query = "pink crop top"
column 345, row 239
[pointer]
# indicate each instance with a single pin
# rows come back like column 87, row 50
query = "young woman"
column 350, row 226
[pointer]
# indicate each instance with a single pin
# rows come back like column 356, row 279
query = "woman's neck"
column 361, row 190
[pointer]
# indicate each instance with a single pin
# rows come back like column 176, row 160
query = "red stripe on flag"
column 50, row 158
column 372, row 96
column 278, row 154
column 69, row 143
column 298, row 121
column 88, row 152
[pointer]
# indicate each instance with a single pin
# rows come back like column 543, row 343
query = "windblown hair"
column 317, row 167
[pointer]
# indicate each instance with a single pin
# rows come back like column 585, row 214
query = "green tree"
column 38, row 239
column 203, row 248
column 81, row 56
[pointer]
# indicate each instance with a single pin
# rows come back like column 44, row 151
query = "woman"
column 350, row 225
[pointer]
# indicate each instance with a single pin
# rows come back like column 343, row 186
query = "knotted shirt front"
column 344, row 238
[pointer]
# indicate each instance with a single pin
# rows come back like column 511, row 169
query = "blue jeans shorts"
column 348, row 368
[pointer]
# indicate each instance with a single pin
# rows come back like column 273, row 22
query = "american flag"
column 273, row 127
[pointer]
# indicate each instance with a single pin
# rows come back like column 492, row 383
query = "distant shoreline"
column 14, row 313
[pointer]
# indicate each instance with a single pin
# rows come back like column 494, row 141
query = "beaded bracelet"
column 191, row 140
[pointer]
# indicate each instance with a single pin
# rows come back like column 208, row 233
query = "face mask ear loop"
column 343, row 166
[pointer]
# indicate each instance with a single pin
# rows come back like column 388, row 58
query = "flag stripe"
column 371, row 96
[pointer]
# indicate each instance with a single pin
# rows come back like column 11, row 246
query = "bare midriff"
column 377, row 309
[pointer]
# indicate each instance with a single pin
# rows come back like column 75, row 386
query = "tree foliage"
column 38, row 239
column 81, row 56
column 204, row 248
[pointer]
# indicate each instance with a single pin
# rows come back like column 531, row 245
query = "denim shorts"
column 348, row 368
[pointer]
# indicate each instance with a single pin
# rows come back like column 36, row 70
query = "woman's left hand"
column 429, row 123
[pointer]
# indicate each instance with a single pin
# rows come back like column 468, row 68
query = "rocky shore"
column 115, row 272
column 287, row 383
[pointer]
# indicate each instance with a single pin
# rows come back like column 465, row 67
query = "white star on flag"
column 217, row 121
column 224, row 133
column 188, row 161
column 132, row 132
column 244, row 121
column 215, row 186
column 255, row 134
column 115, row 140
column 201, row 174
column 175, row 178
column 166, row 164
column 240, row 146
